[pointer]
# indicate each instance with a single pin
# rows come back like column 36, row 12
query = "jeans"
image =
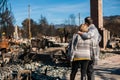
column 75, row 65
column 90, row 70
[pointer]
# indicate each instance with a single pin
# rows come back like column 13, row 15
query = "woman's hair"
column 83, row 28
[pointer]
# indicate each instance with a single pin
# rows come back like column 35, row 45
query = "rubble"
column 49, row 64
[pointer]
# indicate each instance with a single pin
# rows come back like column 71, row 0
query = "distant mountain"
column 111, row 17
column 63, row 25
column 59, row 25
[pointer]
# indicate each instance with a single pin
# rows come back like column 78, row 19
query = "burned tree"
column 6, row 18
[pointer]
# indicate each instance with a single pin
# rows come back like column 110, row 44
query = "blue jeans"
column 90, row 70
column 75, row 65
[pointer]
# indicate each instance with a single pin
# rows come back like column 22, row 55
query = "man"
column 96, row 37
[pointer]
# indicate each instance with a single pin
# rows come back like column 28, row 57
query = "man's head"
column 83, row 28
column 88, row 20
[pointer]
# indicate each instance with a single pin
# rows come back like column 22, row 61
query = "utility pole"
column 29, row 22
column 79, row 17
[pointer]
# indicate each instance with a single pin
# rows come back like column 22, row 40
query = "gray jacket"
column 96, row 37
column 83, row 47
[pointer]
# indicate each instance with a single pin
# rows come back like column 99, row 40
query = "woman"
column 93, row 34
column 80, row 53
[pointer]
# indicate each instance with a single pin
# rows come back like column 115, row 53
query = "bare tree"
column 72, row 19
column 6, row 18
column 34, row 28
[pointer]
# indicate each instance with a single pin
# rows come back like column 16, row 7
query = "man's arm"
column 87, row 35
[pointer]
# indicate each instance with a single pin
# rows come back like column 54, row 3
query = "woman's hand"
column 80, row 33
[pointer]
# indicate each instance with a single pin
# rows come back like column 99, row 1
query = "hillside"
column 112, row 23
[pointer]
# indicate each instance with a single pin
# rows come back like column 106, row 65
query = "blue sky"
column 57, row 11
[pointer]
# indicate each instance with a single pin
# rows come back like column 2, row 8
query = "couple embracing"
column 84, row 50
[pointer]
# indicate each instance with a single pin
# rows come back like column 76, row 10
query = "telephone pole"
column 79, row 17
column 29, row 22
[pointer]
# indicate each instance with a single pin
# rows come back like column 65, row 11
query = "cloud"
column 61, row 10
column 57, row 11
column 69, row 8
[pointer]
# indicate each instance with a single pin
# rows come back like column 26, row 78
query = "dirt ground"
column 107, row 69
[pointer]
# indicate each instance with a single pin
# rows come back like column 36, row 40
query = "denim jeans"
column 90, row 70
column 77, row 64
